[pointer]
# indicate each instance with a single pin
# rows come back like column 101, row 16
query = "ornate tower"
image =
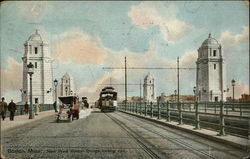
column 36, row 51
column 209, row 80
column 149, row 89
column 67, row 85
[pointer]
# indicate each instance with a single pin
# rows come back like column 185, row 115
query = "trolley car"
column 108, row 99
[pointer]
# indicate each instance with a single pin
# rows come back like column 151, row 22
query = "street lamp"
column 55, row 84
column 194, row 90
column 21, row 90
column 30, row 67
column 66, row 90
column 233, row 84
column 175, row 92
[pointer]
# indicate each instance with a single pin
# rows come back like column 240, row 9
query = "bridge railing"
column 226, row 118
column 20, row 109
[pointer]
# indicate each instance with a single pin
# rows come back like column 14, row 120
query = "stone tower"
column 149, row 89
column 36, row 51
column 67, row 85
column 209, row 80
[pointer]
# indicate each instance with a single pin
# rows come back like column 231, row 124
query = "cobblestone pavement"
column 108, row 135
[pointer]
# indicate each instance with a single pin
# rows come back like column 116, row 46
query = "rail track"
column 174, row 140
column 139, row 140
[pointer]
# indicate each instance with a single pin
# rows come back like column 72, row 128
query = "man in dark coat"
column 3, row 108
column 26, row 108
column 54, row 105
column 12, row 109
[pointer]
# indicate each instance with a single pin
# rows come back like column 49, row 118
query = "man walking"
column 26, row 108
column 12, row 109
column 54, row 105
column 3, row 108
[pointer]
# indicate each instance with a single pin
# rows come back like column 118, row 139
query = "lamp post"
column 194, row 90
column 66, row 90
column 175, row 92
column 21, row 90
column 55, row 84
column 30, row 67
column 233, row 84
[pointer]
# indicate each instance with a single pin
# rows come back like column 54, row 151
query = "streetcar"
column 108, row 100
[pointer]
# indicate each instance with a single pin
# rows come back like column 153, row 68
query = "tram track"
column 173, row 140
column 139, row 140
column 182, row 136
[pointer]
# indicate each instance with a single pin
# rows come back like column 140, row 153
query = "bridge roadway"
column 108, row 135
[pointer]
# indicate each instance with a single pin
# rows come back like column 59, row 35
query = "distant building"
column 133, row 99
column 210, row 77
column 37, row 51
column 173, row 98
column 149, row 89
column 67, row 85
column 245, row 98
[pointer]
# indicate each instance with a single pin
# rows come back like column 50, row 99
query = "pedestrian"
column 3, row 108
column 54, row 105
column 12, row 108
column 26, row 108
column 37, row 108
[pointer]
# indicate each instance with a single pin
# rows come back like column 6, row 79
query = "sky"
column 86, row 36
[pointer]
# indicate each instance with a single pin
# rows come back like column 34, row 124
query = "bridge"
column 137, row 130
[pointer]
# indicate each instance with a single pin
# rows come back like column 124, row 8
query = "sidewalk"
column 211, row 135
column 23, row 119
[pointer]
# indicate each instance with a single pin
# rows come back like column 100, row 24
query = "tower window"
column 214, row 52
column 35, row 64
column 66, row 81
column 36, row 50
column 215, row 66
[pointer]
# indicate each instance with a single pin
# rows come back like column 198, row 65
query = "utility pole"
column 125, row 84
column 178, row 81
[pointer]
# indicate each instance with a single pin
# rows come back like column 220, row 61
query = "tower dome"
column 148, row 77
column 35, row 37
column 210, row 41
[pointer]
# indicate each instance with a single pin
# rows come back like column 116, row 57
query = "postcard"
column 124, row 79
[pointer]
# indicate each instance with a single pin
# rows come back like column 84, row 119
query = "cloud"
column 148, row 14
column 31, row 9
column 236, row 52
column 92, row 91
column 78, row 47
column 11, row 78
column 134, row 76
column 188, row 59
column 228, row 40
